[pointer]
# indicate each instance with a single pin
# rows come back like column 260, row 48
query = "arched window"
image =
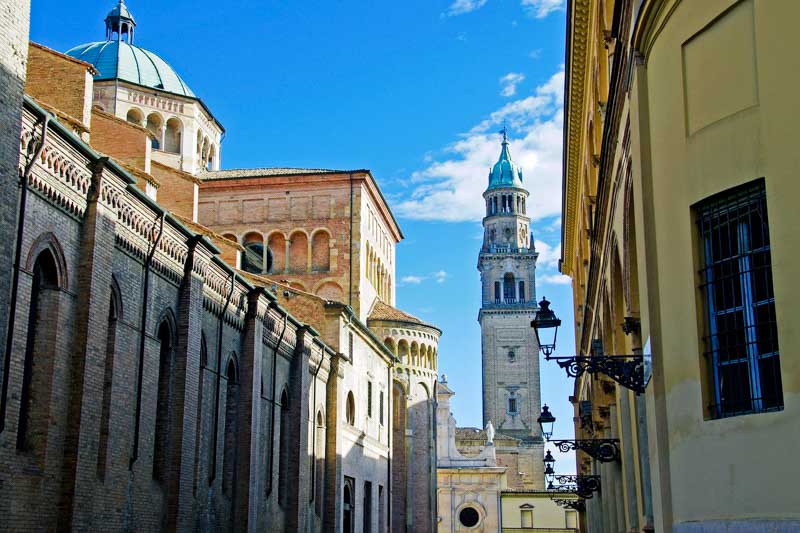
column 319, row 467
column 134, row 116
column 521, row 292
column 154, row 123
column 37, row 372
column 253, row 255
column 108, row 378
column 350, row 409
column 402, row 351
column 231, row 409
column 497, row 295
column 163, row 410
column 348, row 507
column 172, row 136
column 283, row 457
column 212, row 155
column 508, row 287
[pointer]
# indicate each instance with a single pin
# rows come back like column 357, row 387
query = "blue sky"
column 414, row 90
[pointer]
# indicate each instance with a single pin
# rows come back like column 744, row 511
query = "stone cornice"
column 575, row 89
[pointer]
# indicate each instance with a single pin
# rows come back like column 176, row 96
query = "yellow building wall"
column 545, row 513
column 716, row 105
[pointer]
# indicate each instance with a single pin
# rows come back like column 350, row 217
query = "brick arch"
column 276, row 241
column 298, row 251
column 320, row 250
column 329, row 289
column 48, row 241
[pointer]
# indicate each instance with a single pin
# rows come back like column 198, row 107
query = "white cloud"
column 541, row 8
column 553, row 279
column 548, row 255
column 459, row 7
column 510, row 82
column 416, row 279
column 450, row 188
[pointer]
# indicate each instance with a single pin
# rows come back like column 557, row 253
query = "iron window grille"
column 369, row 399
column 741, row 340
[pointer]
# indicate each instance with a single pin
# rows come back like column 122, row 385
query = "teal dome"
column 121, row 60
column 505, row 172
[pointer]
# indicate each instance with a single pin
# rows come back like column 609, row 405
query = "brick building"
column 181, row 357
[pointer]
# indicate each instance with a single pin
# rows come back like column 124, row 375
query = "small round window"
column 469, row 517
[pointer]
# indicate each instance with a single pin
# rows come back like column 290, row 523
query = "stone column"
column 87, row 375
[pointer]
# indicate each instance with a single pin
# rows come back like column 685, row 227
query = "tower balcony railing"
column 508, row 303
column 506, row 249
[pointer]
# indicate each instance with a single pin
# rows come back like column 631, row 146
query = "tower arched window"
column 508, row 288
column 521, row 292
column 497, row 295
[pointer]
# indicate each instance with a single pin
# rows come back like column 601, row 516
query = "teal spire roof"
column 505, row 172
column 117, row 58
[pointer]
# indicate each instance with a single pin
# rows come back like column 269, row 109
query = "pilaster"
column 249, row 466
column 85, row 395
column 186, row 379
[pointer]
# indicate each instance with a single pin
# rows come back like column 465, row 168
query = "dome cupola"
column 117, row 58
column 120, row 23
column 505, row 172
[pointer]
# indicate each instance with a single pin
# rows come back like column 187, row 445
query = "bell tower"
column 507, row 263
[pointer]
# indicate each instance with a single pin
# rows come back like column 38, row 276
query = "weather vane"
column 504, row 131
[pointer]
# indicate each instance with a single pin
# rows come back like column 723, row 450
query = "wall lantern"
column 545, row 319
column 546, row 421
column 627, row 370
column 604, row 450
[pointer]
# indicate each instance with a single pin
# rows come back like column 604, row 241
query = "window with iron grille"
column 369, row 399
column 741, row 340
column 512, row 406
column 350, row 346
column 380, row 406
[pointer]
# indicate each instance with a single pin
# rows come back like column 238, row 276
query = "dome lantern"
column 505, row 172
column 120, row 24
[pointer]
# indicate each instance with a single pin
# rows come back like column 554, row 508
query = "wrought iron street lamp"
column 546, row 421
column 604, row 450
column 583, row 485
column 549, row 472
column 627, row 370
column 545, row 319
column 578, row 504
